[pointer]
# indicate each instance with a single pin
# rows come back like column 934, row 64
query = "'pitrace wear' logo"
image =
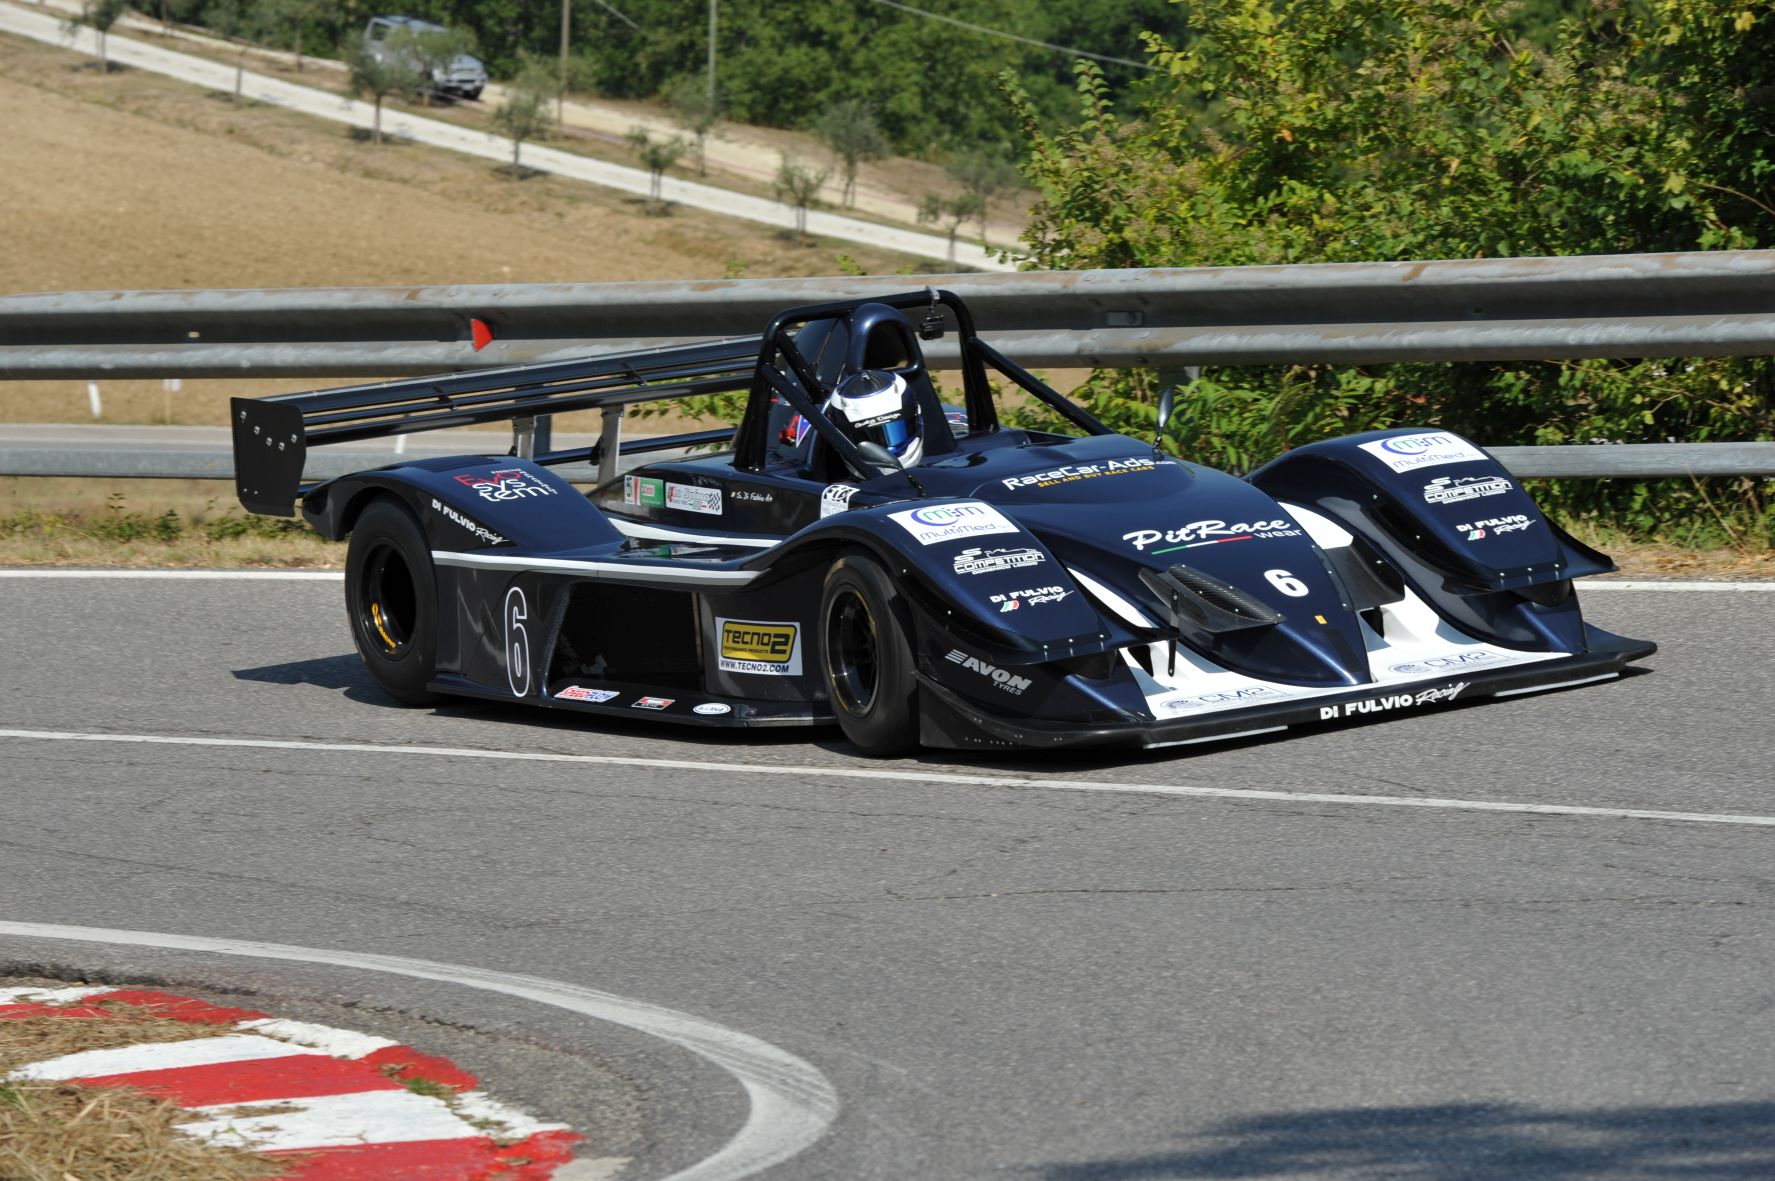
column 510, row 484
column 1402, row 453
column 1199, row 533
column 1010, row 682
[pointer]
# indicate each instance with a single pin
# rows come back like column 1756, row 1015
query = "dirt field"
column 125, row 180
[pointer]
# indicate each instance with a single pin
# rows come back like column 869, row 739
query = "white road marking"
column 52, row 996
column 792, row 1104
column 200, row 1051
column 334, row 1043
column 805, row 773
column 1632, row 584
column 218, row 575
column 331, row 1121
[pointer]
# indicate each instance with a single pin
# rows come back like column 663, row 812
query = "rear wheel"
column 391, row 599
column 867, row 658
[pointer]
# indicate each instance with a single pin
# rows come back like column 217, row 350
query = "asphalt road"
column 999, row 979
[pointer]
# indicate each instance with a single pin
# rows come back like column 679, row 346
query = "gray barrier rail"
column 1652, row 305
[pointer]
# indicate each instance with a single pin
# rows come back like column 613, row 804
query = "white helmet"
column 876, row 406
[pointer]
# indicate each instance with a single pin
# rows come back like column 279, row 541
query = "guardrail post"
column 610, row 444
column 524, row 437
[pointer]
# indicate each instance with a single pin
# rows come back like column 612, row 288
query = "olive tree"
column 657, row 155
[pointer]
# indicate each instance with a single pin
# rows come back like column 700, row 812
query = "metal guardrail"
column 1652, row 305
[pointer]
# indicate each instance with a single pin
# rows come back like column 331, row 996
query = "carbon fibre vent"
column 1194, row 599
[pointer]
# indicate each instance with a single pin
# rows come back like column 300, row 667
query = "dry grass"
column 33, row 1039
column 54, row 1131
column 62, row 1132
column 129, row 181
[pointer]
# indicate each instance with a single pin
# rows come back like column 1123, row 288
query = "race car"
column 858, row 552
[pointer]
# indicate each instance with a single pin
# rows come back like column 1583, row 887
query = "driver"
column 877, row 406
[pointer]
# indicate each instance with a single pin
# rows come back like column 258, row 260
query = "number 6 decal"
column 517, row 642
column 1287, row 583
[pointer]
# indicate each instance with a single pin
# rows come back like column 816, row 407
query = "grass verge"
column 54, row 1131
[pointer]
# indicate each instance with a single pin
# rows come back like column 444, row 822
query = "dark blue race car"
column 921, row 573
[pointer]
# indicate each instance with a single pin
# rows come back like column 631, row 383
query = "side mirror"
column 1167, row 399
column 879, row 456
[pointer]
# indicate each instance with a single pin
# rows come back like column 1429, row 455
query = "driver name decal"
column 1403, row 453
column 1375, row 705
column 1199, row 533
column 507, row 484
column 936, row 523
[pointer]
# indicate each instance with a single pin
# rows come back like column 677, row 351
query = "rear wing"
column 272, row 435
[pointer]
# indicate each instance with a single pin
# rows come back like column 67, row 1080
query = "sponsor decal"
column 1200, row 533
column 991, row 561
column 1404, row 453
column 596, row 696
column 1193, row 702
column 1073, row 473
column 1008, row 681
column 1375, row 705
column 507, row 484
column 757, row 495
column 692, row 498
column 750, row 646
column 836, row 499
column 1510, row 524
column 1033, row 596
column 652, row 703
column 712, row 709
column 951, row 522
column 481, row 533
column 1452, row 662
column 644, row 490
column 1446, row 490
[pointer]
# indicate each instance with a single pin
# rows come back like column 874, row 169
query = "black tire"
column 392, row 601
column 867, row 659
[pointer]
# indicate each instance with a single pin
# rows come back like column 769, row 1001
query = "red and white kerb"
column 345, row 1111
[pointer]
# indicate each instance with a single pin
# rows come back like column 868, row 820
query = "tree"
column 798, row 186
column 656, row 157
column 984, row 174
column 693, row 110
column 234, row 22
column 381, row 74
column 523, row 114
column 99, row 16
column 1333, row 130
column 282, row 23
column 950, row 212
column 850, row 130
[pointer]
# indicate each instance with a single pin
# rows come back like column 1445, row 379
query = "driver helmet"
column 877, row 406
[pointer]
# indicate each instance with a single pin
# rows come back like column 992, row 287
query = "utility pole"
column 561, row 94
column 711, row 54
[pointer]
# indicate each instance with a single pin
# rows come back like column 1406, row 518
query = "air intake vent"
column 1194, row 599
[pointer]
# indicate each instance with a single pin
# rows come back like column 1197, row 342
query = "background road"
column 1000, row 980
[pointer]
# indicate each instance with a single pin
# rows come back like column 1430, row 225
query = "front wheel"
column 391, row 599
column 867, row 658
